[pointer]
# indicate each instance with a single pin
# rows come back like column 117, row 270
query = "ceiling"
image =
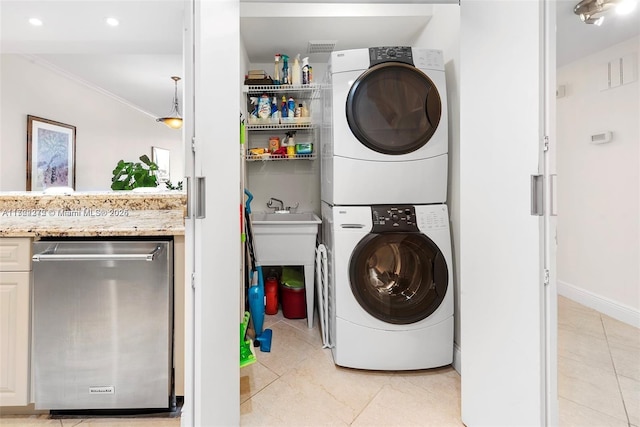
column 134, row 61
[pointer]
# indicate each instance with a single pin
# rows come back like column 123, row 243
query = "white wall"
column 107, row 130
column 599, row 187
column 443, row 32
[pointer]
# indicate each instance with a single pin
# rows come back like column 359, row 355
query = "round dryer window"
column 393, row 108
column 399, row 278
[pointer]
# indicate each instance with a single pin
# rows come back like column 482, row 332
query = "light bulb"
column 625, row 7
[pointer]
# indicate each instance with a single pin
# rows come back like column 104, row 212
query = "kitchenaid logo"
column 102, row 390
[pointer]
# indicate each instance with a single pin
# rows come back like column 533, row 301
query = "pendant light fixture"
column 173, row 120
column 594, row 11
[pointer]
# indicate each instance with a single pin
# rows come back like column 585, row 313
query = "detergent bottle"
column 264, row 107
column 284, row 79
column 284, row 108
column 291, row 105
column 295, row 71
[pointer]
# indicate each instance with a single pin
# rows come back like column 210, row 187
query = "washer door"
column 399, row 278
column 393, row 108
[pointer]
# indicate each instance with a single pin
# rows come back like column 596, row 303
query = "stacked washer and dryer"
column 385, row 224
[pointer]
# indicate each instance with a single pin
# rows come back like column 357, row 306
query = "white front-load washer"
column 385, row 127
column 390, row 286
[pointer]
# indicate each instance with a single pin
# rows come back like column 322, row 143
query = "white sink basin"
column 285, row 218
column 285, row 238
column 288, row 239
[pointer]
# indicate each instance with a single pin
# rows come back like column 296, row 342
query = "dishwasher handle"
column 47, row 256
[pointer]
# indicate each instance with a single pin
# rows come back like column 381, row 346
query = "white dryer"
column 385, row 134
column 390, row 286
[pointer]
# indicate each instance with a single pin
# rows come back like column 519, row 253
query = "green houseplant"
column 130, row 175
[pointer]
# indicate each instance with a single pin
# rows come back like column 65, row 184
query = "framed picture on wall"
column 51, row 154
column 160, row 156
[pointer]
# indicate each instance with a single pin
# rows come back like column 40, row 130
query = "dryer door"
column 393, row 108
column 399, row 278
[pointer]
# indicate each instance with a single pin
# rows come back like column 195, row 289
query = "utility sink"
column 266, row 218
column 288, row 239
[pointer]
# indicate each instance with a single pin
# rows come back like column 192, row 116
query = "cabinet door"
column 14, row 338
column 15, row 254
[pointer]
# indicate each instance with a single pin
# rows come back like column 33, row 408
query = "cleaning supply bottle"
column 275, row 111
column 304, row 111
column 291, row 104
column 284, row 108
column 291, row 144
column 305, row 70
column 298, row 111
column 296, row 72
column 284, row 79
column 264, row 107
column 276, row 71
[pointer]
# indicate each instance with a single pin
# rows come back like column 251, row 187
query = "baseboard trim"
column 613, row 309
column 457, row 364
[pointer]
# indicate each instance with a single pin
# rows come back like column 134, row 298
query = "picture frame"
column 51, row 154
column 161, row 157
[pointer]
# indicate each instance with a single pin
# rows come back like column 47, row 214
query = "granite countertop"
column 108, row 213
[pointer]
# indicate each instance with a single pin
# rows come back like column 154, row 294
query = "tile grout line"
column 615, row 371
column 367, row 405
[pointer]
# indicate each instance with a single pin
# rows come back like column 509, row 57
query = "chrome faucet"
column 271, row 201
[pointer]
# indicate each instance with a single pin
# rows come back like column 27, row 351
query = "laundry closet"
column 394, row 183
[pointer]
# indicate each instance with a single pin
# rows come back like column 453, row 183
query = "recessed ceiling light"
column 35, row 22
column 112, row 22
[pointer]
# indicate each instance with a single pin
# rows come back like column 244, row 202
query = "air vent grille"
column 321, row 46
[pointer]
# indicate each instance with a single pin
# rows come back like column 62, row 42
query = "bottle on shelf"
column 296, row 71
column 298, row 111
column 284, row 79
column 304, row 111
column 284, row 108
column 305, row 70
column 275, row 111
column 276, row 71
column 291, row 104
column 264, row 107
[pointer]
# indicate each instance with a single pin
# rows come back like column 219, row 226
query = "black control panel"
column 392, row 218
column 379, row 55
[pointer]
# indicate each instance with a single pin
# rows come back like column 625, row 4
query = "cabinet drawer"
column 15, row 254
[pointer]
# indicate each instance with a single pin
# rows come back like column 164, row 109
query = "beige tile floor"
column 598, row 368
column 297, row 384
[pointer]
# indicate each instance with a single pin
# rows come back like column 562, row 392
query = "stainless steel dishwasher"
column 103, row 314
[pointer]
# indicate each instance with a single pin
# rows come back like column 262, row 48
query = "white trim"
column 457, row 358
column 46, row 64
column 606, row 306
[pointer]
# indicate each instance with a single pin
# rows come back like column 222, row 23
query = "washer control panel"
column 393, row 218
column 379, row 55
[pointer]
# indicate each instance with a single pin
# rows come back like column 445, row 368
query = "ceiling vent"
column 321, row 46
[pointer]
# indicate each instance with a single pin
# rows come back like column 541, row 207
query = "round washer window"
column 393, row 108
column 399, row 278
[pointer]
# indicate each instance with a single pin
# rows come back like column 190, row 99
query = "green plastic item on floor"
column 246, row 349
column 293, row 277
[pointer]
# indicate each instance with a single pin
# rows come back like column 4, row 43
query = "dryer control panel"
column 379, row 55
column 392, row 218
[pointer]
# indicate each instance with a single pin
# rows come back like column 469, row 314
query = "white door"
column 507, row 353
column 212, row 94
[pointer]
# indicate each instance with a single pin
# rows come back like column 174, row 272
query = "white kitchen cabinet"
column 15, row 276
column 259, row 130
